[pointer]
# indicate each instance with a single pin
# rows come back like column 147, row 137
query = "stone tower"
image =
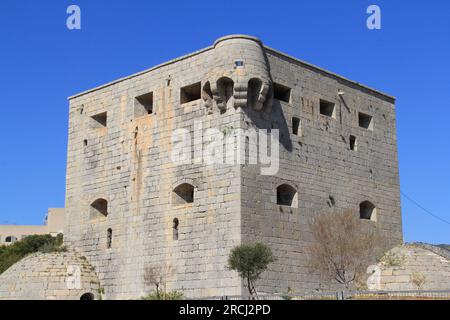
column 129, row 205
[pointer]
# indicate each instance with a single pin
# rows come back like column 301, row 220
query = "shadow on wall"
column 272, row 117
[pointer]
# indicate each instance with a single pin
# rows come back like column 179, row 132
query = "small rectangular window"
column 353, row 143
column 327, row 108
column 281, row 92
column 239, row 63
column 100, row 120
column 190, row 93
column 296, row 126
column 143, row 105
column 365, row 121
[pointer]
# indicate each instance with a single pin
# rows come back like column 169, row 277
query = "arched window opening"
column 254, row 88
column 10, row 239
column 353, row 143
column 367, row 211
column 183, row 194
column 225, row 87
column 109, row 238
column 99, row 208
column 175, row 228
column 286, row 196
column 87, row 296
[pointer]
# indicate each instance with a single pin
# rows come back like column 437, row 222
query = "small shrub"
column 51, row 247
column 287, row 296
column 391, row 259
column 157, row 276
column 170, row 295
column 101, row 292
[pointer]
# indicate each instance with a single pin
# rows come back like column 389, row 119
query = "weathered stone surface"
column 48, row 276
column 415, row 267
column 128, row 163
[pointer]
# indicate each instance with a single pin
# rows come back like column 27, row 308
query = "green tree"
column 250, row 261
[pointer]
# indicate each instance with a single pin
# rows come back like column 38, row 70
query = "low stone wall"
column 44, row 276
column 414, row 267
column 69, row 276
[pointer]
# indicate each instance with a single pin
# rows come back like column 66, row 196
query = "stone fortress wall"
column 415, row 266
column 334, row 161
column 129, row 206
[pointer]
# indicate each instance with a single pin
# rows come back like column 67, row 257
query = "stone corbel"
column 240, row 94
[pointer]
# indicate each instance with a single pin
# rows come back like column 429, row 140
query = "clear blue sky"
column 42, row 63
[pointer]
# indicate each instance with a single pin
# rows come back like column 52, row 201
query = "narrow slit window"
column 281, row 92
column 331, row 201
column 327, row 109
column 143, row 105
column 175, row 224
column 353, row 143
column 365, row 121
column 109, row 238
column 190, row 93
column 296, row 126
